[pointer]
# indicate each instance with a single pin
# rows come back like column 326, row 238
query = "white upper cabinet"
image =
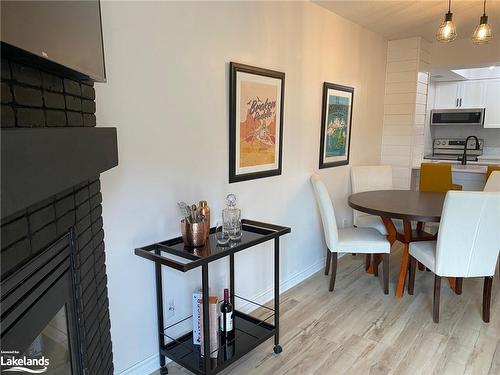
column 460, row 94
column 447, row 95
column 472, row 94
column 492, row 104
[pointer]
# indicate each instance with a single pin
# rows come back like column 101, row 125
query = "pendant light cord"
column 484, row 8
column 449, row 5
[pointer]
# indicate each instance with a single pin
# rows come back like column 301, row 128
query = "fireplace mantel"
column 38, row 163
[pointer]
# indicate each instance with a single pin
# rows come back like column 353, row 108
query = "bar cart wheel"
column 277, row 349
column 164, row 370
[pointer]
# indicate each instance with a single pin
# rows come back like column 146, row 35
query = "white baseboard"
column 145, row 367
column 150, row 364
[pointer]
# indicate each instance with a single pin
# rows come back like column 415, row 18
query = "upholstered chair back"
column 326, row 212
column 469, row 234
column 368, row 178
column 491, row 169
column 493, row 182
column 435, row 177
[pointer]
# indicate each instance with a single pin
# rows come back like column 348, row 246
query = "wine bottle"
column 226, row 309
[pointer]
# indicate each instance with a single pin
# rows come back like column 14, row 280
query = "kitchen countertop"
column 479, row 166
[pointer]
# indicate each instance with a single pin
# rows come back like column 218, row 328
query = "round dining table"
column 407, row 205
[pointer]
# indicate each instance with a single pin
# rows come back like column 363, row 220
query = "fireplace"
column 54, row 299
column 39, row 312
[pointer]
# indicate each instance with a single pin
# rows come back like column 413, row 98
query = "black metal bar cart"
column 249, row 331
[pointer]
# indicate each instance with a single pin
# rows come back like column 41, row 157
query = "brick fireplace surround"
column 33, row 98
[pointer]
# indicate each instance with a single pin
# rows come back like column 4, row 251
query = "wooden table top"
column 400, row 204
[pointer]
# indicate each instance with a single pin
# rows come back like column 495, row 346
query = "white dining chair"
column 467, row 245
column 370, row 178
column 347, row 240
column 493, row 183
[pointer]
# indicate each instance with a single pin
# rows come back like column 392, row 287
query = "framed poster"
column 256, row 99
column 336, row 121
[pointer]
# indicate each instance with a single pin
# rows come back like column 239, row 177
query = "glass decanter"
column 231, row 217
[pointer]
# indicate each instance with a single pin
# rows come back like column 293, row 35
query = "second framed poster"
column 256, row 98
column 336, row 121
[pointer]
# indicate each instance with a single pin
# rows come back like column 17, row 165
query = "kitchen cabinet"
column 447, row 94
column 472, row 94
column 460, row 94
column 492, row 104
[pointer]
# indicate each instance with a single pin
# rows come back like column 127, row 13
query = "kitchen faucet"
column 464, row 156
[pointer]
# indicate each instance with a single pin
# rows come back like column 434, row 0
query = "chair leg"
column 376, row 262
column 458, row 285
column 420, row 225
column 368, row 259
column 386, row 273
column 411, row 281
column 328, row 259
column 488, row 281
column 334, row 272
column 437, row 294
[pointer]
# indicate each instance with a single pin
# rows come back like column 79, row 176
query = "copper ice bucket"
column 193, row 235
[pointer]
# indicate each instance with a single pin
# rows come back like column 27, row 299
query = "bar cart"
column 249, row 331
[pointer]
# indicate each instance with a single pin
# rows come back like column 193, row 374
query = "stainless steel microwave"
column 457, row 116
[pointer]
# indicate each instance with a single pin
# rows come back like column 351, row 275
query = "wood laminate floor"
column 359, row 330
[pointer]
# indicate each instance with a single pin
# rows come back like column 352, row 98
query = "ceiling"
column 490, row 72
column 403, row 19
column 444, row 74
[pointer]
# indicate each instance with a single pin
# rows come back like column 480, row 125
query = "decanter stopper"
column 231, row 200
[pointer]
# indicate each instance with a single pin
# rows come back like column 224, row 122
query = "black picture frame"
column 324, row 113
column 234, row 70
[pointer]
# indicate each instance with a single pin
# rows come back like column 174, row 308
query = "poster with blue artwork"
column 335, row 125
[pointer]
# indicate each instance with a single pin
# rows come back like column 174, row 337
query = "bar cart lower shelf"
column 250, row 331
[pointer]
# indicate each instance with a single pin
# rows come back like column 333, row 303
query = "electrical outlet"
column 344, row 223
column 171, row 309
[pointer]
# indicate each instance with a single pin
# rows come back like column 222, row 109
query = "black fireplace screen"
column 39, row 330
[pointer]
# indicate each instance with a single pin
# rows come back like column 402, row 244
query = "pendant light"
column 482, row 34
column 447, row 31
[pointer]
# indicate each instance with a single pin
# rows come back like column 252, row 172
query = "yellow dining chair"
column 436, row 177
column 490, row 170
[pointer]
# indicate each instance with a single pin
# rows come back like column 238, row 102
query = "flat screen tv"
column 67, row 33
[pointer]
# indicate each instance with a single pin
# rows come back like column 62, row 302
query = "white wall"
column 167, row 93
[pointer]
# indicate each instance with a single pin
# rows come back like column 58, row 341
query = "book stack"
column 198, row 323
